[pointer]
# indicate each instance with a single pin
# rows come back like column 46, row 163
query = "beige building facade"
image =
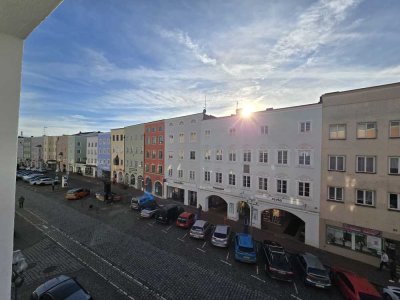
column 117, row 155
column 360, row 183
column 62, row 153
column 50, row 151
column 134, row 147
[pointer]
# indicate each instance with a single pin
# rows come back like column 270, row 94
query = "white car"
column 30, row 176
column 391, row 293
column 43, row 181
column 148, row 212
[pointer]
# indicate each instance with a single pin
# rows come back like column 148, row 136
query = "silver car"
column 200, row 229
column 391, row 292
column 221, row 236
column 148, row 212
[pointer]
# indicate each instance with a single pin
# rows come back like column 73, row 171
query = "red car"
column 185, row 220
column 353, row 286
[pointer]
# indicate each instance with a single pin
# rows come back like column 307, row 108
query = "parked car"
column 138, row 203
column 78, row 193
column 245, row 250
column 149, row 211
column 168, row 213
column 221, row 236
column 60, row 288
column 200, row 229
column 278, row 265
column 108, row 197
column 391, row 293
column 185, row 220
column 30, row 176
column 43, row 181
column 312, row 270
column 35, row 178
column 353, row 286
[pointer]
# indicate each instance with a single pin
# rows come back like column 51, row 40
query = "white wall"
column 10, row 80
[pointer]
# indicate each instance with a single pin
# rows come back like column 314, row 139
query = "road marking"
column 258, row 278
column 164, row 231
column 204, row 245
column 204, row 251
column 227, row 256
column 257, row 269
column 181, row 240
column 150, row 224
column 36, row 215
column 169, row 227
column 295, row 297
column 184, row 236
column 225, row 262
column 295, row 287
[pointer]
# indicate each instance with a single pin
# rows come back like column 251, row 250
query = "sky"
column 97, row 65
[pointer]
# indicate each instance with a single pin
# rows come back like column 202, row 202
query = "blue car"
column 143, row 201
column 245, row 250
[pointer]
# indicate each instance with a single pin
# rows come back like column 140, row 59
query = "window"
column 79, row 143
column 114, row 138
column 281, row 186
column 160, row 154
column 78, row 151
column 153, row 129
column 232, row 179
column 207, row 132
column 160, row 128
column 394, row 201
column 207, row 154
column 263, row 156
column 153, row 168
column 170, row 155
column 246, row 169
column 336, row 163
column 160, row 139
column 117, row 136
column 335, row 193
column 171, row 139
column 232, row 131
column 191, row 175
column 170, row 172
column 232, row 156
column 305, row 126
column 181, row 154
column 147, row 168
column 365, row 197
column 264, row 130
column 366, row 130
column 304, row 189
column 394, row 131
column 218, row 177
column 153, row 154
column 207, row 176
column 147, row 154
column 181, row 138
column 337, row 131
column 394, row 165
column 282, row 157
column 181, row 123
column 122, row 137
column 246, row 181
column 218, row 154
column 148, row 129
column 148, row 140
column 247, row 156
column 263, row 183
column 192, row 155
column 304, row 158
column 193, row 137
column 366, row 164
column 160, row 169
column 180, row 173
column 154, row 140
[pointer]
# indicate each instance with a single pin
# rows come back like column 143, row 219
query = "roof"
column 312, row 261
column 245, row 240
column 362, row 89
column 199, row 223
column 221, row 229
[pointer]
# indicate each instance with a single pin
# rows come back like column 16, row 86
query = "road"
column 117, row 252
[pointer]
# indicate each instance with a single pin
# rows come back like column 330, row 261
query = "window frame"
column 366, row 130
column 232, row 179
column 279, row 186
column 304, row 189
column 337, row 131
column 263, row 183
column 365, row 198
column 365, row 158
column 301, row 123
column 287, row 157
column 218, row 177
column 262, row 154
column 207, row 176
column 336, row 163
column 398, row 165
column 390, row 129
column 299, row 155
column 246, row 182
column 398, row 202
column 336, row 198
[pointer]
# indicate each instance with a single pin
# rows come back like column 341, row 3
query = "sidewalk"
column 378, row 278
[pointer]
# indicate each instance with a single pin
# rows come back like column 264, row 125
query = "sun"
column 246, row 112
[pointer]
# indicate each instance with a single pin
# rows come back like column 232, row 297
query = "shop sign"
column 178, row 182
column 358, row 229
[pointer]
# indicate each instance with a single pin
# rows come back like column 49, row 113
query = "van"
column 168, row 213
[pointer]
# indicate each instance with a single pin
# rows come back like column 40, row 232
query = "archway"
column 133, row 179
column 126, row 179
column 158, row 189
column 217, row 204
column 149, row 185
column 284, row 222
column 120, row 177
column 140, row 182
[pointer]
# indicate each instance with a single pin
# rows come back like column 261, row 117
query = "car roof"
column 274, row 246
column 185, row 214
column 245, row 240
column 199, row 223
column 312, row 261
column 222, row 229
column 74, row 190
column 51, row 284
column 361, row 284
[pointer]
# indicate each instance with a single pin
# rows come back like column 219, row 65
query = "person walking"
column 21, row 202
column 384, row 260
column 393, row 271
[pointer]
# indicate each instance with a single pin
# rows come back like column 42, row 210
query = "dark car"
column 312, row 270
column 60, row 288
column 168, row 213
column 277, row 263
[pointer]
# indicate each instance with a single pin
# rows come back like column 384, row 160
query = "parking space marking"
column 225, row 262
column 258, row 278
column 227, row 256
column 169, row 227
column 36, row 215
column 164, row 231
column 295, row 287
column 204, row 245
column 150, row 224
column 257, row 269
column 295, row 297
column 180, row 240
column 204, row 251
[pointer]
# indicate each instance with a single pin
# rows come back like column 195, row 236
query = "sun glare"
column 246, row 112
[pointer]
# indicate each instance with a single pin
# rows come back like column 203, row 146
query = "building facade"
column 104, row 156
column 27, row 151
column 117, row 155
column 134, row 155
column 20, row 151
column 154, row 150
column 50, row 151
column 91, row 156
column 360, row 190
column 37, row 152
column 62, row 153
column 183, row 154
column 77, row 151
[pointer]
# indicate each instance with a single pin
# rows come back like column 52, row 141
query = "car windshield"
column 317, row 272
column 196, row 228
column 246, row 249
column 219, row 235
column 182, row 220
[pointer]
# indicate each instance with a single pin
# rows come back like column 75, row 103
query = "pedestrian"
column 393, row 269
column 21, row 202
column 384, row 260
column 199, row 212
